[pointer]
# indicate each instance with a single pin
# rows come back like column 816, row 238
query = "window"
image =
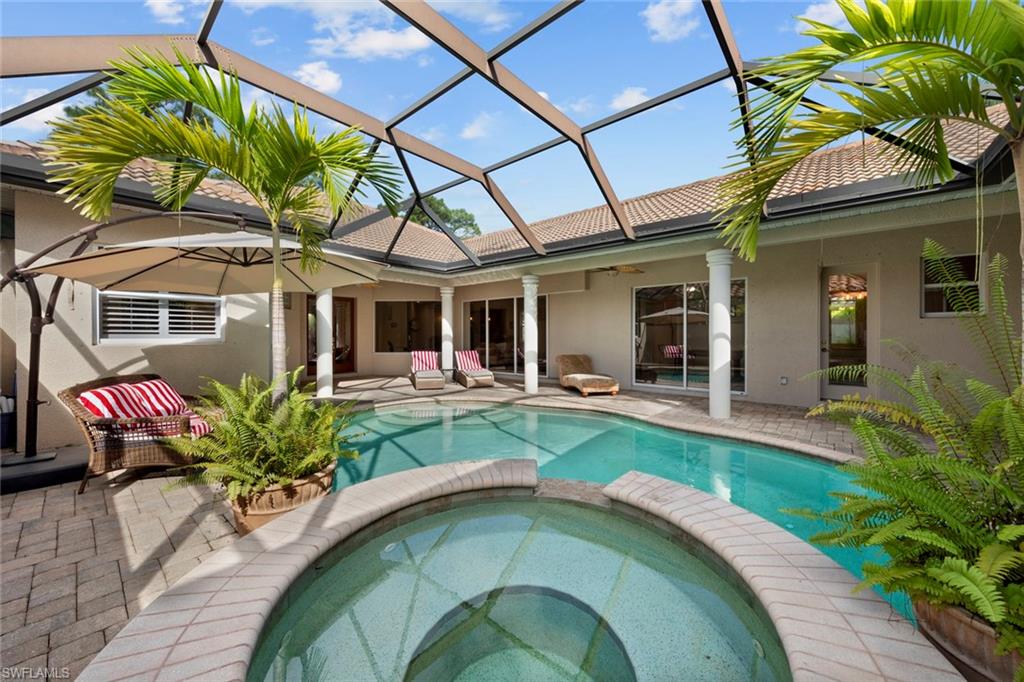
column 671, row 335
column 164, row 318
column 951, row 286
column 494, row 328
column 403, row 326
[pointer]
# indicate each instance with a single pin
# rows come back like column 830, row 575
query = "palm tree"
column 292, row 175
column 932, row 61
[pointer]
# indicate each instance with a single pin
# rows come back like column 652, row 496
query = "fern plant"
column 255, row 444
column 942, row 474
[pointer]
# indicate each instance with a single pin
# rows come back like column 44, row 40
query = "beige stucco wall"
column 70, row 356
column 591, row 312
column 588, row 311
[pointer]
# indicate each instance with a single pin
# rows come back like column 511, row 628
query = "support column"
column 720, row 333
column 530, row 284
column 447, row 331
column 325, row 343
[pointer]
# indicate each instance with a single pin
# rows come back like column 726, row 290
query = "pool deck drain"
column 207, row 625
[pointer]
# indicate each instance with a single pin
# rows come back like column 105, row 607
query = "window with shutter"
column 157, row 318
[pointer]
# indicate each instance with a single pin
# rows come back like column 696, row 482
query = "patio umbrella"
column 216, row 264
column 695, row 316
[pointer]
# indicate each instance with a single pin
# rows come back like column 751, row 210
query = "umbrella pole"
column 34, row 346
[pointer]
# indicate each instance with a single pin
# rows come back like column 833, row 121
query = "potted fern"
column 943, row 483
column 270, row 458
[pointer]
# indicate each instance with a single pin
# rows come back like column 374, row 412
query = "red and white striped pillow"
column 468, row 360
column 197, row 425
column 117, row 401
column 424, row 360
column 160, row 398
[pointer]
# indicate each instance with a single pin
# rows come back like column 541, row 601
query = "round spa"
column 518, row 589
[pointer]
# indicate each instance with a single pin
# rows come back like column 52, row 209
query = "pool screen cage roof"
column 56, row 55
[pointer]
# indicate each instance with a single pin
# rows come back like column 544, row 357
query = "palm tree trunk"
column 278, row 360
column 1017, row 150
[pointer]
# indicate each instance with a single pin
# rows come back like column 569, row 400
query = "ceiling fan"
column 616, row 270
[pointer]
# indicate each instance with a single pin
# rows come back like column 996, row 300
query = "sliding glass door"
column 494, row 328
column 671, row 335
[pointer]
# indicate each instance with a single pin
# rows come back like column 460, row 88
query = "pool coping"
column 724, row 432
column 826, row 630
column 208, row 624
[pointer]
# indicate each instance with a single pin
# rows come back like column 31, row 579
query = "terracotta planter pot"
column 967, row 641
column 265, row 506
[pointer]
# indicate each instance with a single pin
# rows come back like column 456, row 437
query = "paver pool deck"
column 77, row 567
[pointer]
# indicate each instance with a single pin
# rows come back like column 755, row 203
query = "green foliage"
column 942, row 475
column 933, row 61
column 462, row 222
column 255, row 444
column 291, row 172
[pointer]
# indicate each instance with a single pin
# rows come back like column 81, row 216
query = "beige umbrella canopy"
column 213, row 263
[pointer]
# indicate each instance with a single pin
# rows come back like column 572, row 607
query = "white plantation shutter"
column 167, row 318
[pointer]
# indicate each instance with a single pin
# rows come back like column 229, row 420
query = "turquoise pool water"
column 505, row 591
column 600, row 448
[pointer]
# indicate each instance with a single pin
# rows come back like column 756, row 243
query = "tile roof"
column 847, row 164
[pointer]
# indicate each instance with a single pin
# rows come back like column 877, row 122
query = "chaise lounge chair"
column 469, row 371
column 126, row 419
column 576, row 371
column 426, row 375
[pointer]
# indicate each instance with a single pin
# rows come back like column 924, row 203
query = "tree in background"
column 101, row 93
column 462, row 222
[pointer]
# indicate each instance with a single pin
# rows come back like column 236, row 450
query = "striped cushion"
column 673, row 352
column 197, row 425
column 160, row 398
column 423, row 360
column 117, row 401
column 468, row 360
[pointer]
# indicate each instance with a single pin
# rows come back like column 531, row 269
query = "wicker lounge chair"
column 128, row 443
column 469, row 371
column 426, row 375
column 576, row 371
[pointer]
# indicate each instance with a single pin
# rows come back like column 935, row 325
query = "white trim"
column 163, row 337
column 685, row 389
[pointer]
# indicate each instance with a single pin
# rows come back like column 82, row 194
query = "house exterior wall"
column 591, row 312
column 69, row 354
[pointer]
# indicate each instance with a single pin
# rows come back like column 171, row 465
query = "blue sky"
column 601, row 57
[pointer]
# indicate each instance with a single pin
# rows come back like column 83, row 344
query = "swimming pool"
column 600, row 448
column 518, row 590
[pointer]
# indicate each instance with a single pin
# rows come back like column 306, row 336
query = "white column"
column 720, row 333
column 447, row 330
column 530, row 283
column 325, row 343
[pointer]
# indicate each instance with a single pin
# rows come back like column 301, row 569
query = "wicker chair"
column 124, row 443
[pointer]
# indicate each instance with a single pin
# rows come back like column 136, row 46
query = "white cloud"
column 670, row 20
column 373, row 43
column 487, row 13
column 319, row 76
column 629, row 97
column 433, row 135
column 583, row 105
column 544, row 95
column 167, row 11
column 366, row 30
column 262, row 36
column 38, row 122
column 479, row 127
column 171, row 11
column 729, row 85
column 424, row 60
column 826, row 12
